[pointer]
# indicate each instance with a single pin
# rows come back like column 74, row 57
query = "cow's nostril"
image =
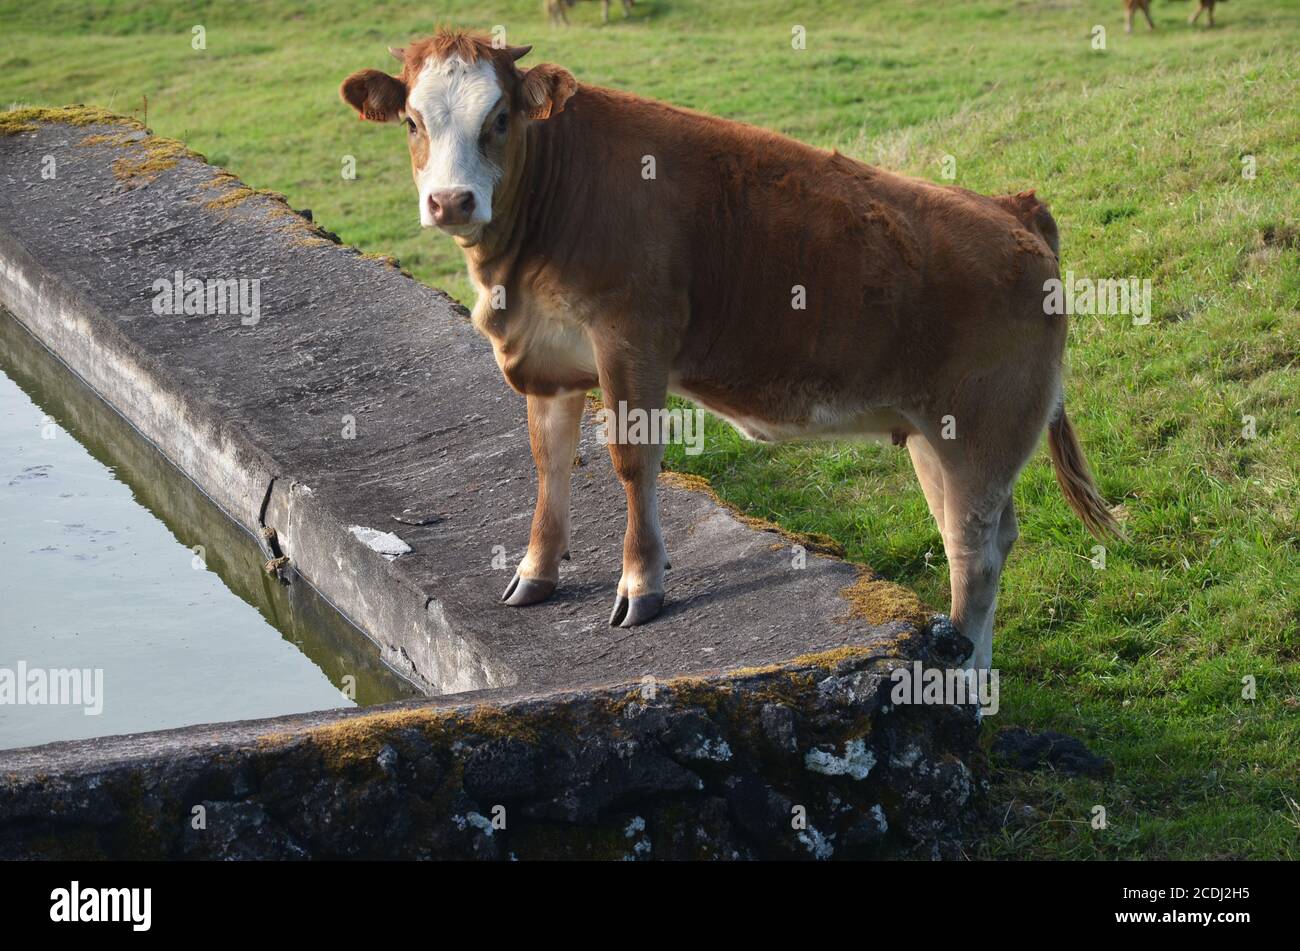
column 451, row 206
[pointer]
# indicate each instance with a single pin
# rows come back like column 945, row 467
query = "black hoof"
column 638, row 610
column 525, row 591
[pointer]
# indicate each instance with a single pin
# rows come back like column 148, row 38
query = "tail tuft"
column 1075, row 480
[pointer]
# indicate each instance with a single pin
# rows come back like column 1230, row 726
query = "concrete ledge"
column 799, row 760
column 254, row 414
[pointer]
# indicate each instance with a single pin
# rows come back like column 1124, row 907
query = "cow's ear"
column 376, row 96
column 546, row 89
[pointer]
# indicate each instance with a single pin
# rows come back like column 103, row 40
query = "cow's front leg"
column 634, row 395
column 554, row 424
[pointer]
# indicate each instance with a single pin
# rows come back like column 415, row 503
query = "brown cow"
column 557, row 10
column 1131, row 7
column 1203, row 6
column 627, row 244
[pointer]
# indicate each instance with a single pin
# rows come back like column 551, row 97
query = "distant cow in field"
column 1204, row 6
column 623, row 243
column 1133, row 6
column 556, row 10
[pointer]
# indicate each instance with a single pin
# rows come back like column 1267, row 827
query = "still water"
column 124, row 589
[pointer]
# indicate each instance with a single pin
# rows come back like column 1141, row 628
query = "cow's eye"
column 502, row 122
column 410, row 126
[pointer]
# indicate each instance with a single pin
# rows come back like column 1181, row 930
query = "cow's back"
column 793, row 262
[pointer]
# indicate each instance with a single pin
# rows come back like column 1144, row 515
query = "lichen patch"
column 856, row 763
column 27, row 119
column 878, row 601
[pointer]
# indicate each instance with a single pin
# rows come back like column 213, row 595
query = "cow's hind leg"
column 981, row 527
column 554, row 426
column 977, row 471
column 978, row 529
column 970, row 513
column 929, row 472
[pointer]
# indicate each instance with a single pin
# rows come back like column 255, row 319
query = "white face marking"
column 454, row 98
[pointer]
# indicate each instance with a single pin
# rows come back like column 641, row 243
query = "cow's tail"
column 1075, row 478
column 1072, row 472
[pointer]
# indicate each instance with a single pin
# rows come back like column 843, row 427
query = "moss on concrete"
column 879, row 601
column 113, row 138
column 358, row 740
column 235, row 193
column 149, row 154
column 222, row 179
column 26, row 119
column 231, row 198
column 386, row 259
column 884, row 647
column 156, row 155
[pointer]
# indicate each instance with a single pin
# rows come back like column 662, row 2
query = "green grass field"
column 1140, row 150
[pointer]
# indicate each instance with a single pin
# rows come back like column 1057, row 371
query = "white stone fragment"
column 386, row 543
column 817, row 844
column 856, row 761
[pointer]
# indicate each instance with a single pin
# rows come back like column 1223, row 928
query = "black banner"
column 923, row 900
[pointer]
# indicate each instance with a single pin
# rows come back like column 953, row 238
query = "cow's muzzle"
column 452, row 207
